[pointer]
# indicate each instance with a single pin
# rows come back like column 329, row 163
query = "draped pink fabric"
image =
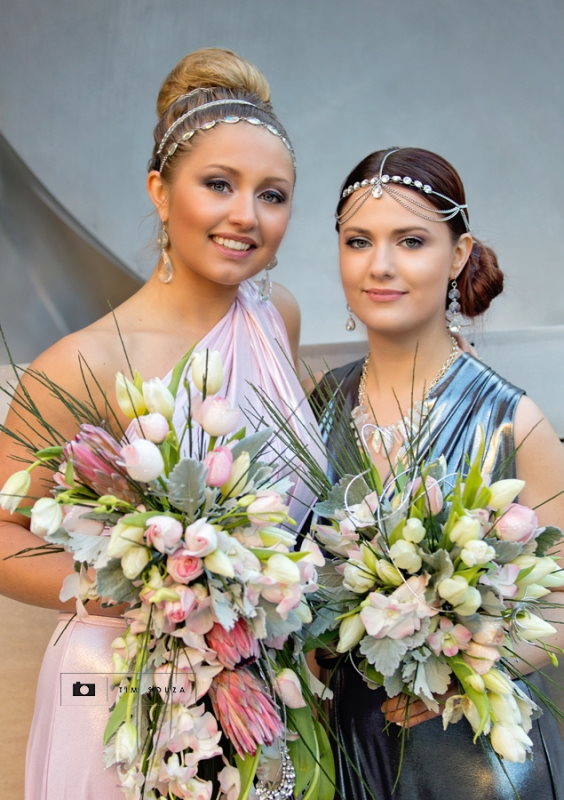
column 65, row 752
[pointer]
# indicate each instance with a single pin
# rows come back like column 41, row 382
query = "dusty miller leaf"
column 547, row 539
column 384, row 654
column 111, row 583
column 186, row 486
column 505, row 551
column 353, row 486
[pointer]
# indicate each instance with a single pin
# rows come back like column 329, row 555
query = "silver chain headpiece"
column 375, row 187
column 231, row 119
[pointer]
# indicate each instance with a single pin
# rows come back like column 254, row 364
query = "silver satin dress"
column 437, row 765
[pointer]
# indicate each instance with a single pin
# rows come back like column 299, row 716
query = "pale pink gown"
column 64, row 754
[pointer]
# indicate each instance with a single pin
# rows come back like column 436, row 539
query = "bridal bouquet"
column 434, row 581
column 189, row 529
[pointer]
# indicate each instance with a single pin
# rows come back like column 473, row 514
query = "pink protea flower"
column 245, row 711
column 95, row 455
column 233, row 646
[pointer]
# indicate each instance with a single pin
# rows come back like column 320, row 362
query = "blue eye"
column 358, row 242
column 218, row 185
column 271, row 196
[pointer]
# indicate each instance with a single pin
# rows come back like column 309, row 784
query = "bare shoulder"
column 289, row 310
column 531, row 424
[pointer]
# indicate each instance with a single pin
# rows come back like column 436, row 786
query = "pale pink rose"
column 163, row 533
column 216, row 416
column 449, row 638
column 288, row 688
column 177, row 610
column 153, row 427
column 142, row 459
column 200, row 538
column 184, row 568
column 518, row 524
column 218, row 463
column 266, row 509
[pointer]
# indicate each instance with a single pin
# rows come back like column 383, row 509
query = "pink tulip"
column 143, row 460
column 216, row 416
column 218, row 463
column 431, row 491
column 233, row 646
column 517, row 524
column 178, row 610
column 153, row 427
column 288, row 688
column 245, row 711
column 267, row 509
column 184, row 568
column 200, row 538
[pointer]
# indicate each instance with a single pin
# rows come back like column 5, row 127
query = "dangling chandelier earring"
column 350, row 324
column 265, row 284
column 452, row 315
column 165, row 271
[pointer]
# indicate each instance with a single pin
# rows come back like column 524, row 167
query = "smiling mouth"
column 231, row 244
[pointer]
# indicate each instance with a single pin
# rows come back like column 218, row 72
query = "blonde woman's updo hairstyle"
column 481, row 279
column 200, row 78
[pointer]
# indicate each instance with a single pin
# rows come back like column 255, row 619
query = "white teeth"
column 231, row 243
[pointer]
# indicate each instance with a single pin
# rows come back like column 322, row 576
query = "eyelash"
column 357, row 243
column 360, row 243
column 221, row 186
column 418, row 242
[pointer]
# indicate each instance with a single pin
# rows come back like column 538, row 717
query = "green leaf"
column 116, row 718
column 303, row 751
column 50, row 452
column 186, row 486
column 547, row 539
column 111, row 583
column 177, row 372
column 247, row 767
column 139, row 520
column 326, row 788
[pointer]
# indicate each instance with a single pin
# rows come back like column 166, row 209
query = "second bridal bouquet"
column 434, row 581
column 189, row 529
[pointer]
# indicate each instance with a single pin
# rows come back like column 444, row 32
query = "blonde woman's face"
column 228, row 204
column 395, row 266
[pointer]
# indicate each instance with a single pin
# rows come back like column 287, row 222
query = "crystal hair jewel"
column 232, row 119
column 375, row 187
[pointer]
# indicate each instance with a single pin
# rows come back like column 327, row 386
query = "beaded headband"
column 231, row 119
column 375, row 187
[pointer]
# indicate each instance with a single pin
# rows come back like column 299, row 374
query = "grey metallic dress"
column 437, row 765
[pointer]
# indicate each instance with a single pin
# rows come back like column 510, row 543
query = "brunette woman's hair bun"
column 480, row 281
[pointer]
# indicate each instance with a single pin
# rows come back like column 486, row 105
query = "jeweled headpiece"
column 165, row 150
column 375, row 187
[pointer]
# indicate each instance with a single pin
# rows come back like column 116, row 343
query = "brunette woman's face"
column 227, row 205
column 395, row 266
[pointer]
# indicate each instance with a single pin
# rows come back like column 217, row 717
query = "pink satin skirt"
column 65, row 750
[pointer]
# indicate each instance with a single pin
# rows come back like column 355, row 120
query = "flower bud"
column 14, row 490
column 237, row 483
column 453, row 589
column 126, row 743
column 471, row 602
column 531, row 627
column 158, row 398
column 504, row 492
column 134, row 561
column 358, row 578
column 351, row 631
column 413, row 530
column 207, row 376
column 163, row 533
column 142, row 460
column 46, row 516
column 216, row 416
column 219, row 563
column 200, row 538
column 388, row 573
column 510, row 742
column 465, row 529
column 368, row 557
column 496, row 682
column 123, row 537
column 405, row 556
column 476, row 552
column 129, row 398
column 476, row 682
column 282, row 569
column 288, row 689
column 218, row 463
column 153, row 427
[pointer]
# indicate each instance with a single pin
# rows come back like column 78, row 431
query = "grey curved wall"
column 479, row 82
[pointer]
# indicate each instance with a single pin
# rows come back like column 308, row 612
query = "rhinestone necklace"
column 384, row 437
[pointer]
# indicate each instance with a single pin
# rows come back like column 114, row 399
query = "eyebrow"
column 238, row 172
column 397, row 231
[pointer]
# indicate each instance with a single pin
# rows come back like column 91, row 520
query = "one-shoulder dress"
column 65, row 753
column 438, row 765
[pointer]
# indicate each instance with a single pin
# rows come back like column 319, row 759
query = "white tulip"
column 158, row 398
column 14, row 490
column 211, row 376
column 46, row 516
column 504, row 492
